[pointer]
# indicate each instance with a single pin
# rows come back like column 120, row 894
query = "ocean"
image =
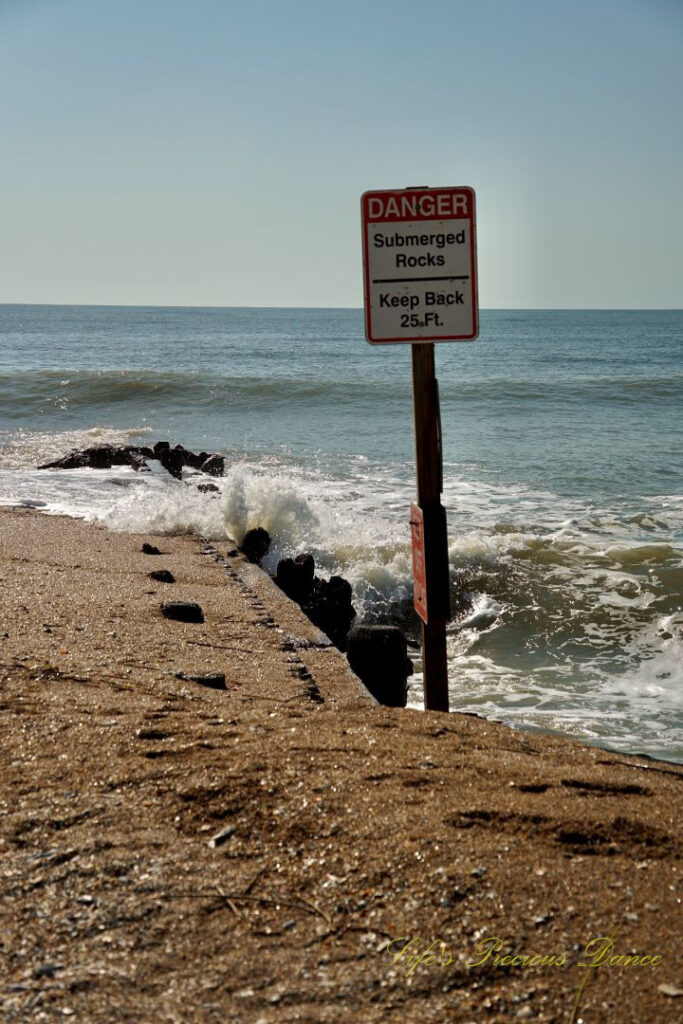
column 563, row 479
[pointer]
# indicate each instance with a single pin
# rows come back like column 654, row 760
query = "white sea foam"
column 484, row 614
column 270, row 499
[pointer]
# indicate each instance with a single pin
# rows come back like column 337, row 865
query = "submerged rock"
column 327, row 603
column 195, row 460
column 379, row 656
column 139, row 464
column 330, row 608
column 295, row 577
column 214, row 464
column 102, row 456
column 173, row 459
column 255, row 544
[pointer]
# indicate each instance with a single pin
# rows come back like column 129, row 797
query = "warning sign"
column 419, row 569
column 419, row 251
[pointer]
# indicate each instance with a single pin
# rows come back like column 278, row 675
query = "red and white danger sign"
column 419, row 253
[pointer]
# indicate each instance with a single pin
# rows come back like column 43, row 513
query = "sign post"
column 419, row 248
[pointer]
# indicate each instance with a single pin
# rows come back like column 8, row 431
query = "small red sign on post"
column 419, row 569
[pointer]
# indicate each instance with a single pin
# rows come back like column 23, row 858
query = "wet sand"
column 283, row 850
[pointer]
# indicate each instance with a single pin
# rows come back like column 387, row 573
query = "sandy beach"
column 281, row 849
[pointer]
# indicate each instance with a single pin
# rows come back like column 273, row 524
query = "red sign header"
column 430, row 204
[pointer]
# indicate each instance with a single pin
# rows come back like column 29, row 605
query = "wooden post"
column 429, row 486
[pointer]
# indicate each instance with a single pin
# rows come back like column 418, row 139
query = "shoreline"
column 269, row 851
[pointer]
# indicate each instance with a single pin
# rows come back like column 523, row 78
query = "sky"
column 213, row 152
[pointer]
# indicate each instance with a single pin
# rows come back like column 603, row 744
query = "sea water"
column 563, row 479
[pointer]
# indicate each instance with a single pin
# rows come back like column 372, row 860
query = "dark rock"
column 139, row 464
column 131, row 454
column 162, row 576
column 194, row 460
column 176, row 458
column 378, row 655
column 187, row 458
column 103, row 456
column 72, row 461
column 255, row 544
column 214, row 680
column 99, row 457
column 152, row 734
column 207, row 488
column 182, row 611
column 172, row 461
column 150, row 549
column 330, row 608
column 214, row 464
column 295, row 577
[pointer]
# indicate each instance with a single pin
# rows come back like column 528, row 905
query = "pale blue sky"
column 213, row 152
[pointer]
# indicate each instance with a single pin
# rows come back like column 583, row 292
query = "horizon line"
column 360, row 309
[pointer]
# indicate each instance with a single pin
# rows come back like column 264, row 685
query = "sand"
column 284, row 850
